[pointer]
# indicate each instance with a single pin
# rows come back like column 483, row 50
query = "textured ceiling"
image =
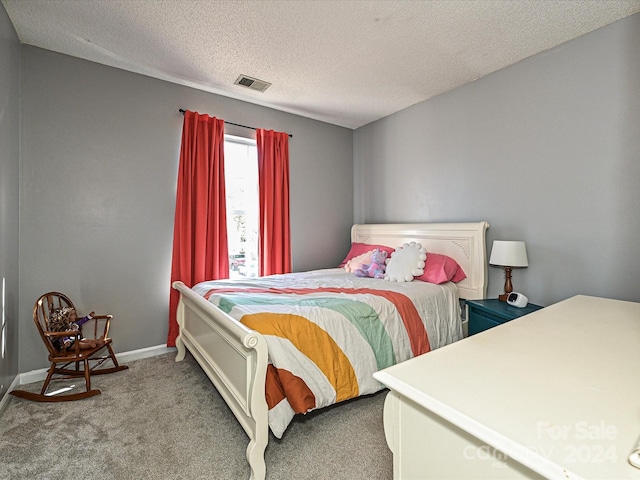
column 346, row 62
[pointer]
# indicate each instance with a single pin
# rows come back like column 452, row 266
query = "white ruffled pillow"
column 406, row 262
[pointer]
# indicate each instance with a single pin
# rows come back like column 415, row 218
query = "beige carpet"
column 165, row 420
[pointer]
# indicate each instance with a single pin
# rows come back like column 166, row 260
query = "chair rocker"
column 71, row 354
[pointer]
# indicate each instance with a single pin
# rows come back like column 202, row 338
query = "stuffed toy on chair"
column 66, row 319
column 376, row 268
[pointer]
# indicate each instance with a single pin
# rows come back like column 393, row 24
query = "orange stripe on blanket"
column 316, row 344
column 279, row 381
column 410, row 317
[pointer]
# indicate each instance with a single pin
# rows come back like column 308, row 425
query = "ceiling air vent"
column 252, row 83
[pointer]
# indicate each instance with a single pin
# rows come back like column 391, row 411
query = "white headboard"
column 464, row 242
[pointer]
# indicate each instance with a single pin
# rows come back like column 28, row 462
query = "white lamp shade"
column 509, row 254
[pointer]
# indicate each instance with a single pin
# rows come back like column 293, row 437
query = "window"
column 241, row 184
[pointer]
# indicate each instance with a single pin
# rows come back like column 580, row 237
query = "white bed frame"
column 235, row 358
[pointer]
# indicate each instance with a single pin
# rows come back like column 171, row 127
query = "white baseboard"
column 144, row 353
column 41, row 374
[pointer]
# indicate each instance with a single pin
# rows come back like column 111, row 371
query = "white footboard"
column 235, row 359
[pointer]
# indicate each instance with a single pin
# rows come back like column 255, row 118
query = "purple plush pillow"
column 440, row 268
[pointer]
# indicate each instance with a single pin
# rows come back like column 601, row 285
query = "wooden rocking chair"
column 66, row 360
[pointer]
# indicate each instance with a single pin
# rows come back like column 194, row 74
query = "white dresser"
column 554, row 394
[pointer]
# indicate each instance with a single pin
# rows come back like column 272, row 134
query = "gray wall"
column 9, row 198
column 99, row 159
column 547, row 150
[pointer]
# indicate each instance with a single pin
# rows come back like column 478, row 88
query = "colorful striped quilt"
column 328, row 331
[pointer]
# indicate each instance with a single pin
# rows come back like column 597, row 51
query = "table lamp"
column 508, row 254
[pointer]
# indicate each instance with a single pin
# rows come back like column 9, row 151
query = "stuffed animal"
column 376, row 268
column 66, row 319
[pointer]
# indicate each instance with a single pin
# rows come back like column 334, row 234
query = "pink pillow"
column 440, row 268
column 356, row 262
column 360, row 248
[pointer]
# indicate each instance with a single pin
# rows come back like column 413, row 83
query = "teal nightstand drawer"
column 486, row 314
column 478, row 323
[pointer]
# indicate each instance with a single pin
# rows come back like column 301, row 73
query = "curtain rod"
column 236, row 124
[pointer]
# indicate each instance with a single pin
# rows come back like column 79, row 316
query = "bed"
column 219, row 323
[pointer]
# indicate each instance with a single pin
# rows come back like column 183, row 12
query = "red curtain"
column 200, row 250
column 274, row 245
